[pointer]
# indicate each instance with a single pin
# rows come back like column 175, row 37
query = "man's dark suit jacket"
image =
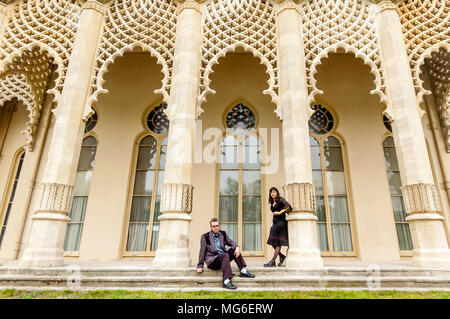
column 208, row 251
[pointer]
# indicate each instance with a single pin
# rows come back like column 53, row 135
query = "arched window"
column 332, row 209
column 393, row 175
column 143, row 228
column 240, row 181
column 14, row 180
column 80, row 194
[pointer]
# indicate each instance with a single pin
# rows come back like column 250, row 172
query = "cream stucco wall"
column 238, row 77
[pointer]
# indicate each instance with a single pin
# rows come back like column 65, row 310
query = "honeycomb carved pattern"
column 129, row 24
column 340, row 24
column 425, row 25
column 27, row 78
column 49, row 24
column 439, row 70
column 248, row 24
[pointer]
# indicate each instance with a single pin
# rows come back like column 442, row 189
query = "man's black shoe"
column 247, row 275
column 270, row 264
column 229, row 285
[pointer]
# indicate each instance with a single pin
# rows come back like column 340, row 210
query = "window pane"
column 87, row 157
column 315, row 158
column 157, row 212
column 162, row 157
column 229, row 157
column 137, row 237
column 229, row 182
column 333, row 158
column 342, row 239
column 228, row 208
column 78, row 209
column 73, row 237
column 231, row 230
column 251, row 236
column 143, row 185
column 338, row 209
column 140, row 209
column 155, row 235
column 251, row 208
column 322, row 237
column 331, row 141
column 404, row 237
column 399, row 208
column 336, row 183
column 89, row 141
column 159, row 182
column 251, row 182
column 148, row 141
column 320, row 209
column 146, row 157
column 82, row 183
column 391, row 158
column 394, row 183
column 251, row 157
column 318, row 182
column 313, row 141
column 389, row 141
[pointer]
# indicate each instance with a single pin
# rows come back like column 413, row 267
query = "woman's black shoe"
column 282, row 259
column 270, row 264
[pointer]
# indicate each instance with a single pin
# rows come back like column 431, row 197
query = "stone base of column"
column 173, row 242
column 429, row 241
column 46, row 241
column 303, row 252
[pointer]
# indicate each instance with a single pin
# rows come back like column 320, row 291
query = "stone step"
column 209, row 282
column 258, row 271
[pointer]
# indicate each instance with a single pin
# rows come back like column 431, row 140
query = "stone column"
column 419, row 191
column 49, row 222
column 176, row 192
column 299, row 189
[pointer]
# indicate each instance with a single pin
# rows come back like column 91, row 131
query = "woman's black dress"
column 279, row 231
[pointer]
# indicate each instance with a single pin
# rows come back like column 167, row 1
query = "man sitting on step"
column 214, row 253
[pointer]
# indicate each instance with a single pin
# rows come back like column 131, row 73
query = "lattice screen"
column 228, row 24
column 426, row 27
column 38, row 33
column 332, row 24
column 148, row 24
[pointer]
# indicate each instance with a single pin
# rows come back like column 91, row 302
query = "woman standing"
column 278, row 232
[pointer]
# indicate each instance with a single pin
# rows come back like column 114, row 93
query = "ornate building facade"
column 125, row 125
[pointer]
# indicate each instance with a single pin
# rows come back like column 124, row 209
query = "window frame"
column 240, row 138
column 159, row 140
column 76, row 253
column 17, row 158
column 321, row 138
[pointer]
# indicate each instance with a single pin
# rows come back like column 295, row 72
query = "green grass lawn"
column 126, row 294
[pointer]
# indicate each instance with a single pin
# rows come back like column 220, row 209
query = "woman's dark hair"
column 276, row 198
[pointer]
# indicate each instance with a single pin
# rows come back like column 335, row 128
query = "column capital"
column 99, row 6
column 421, row 198
column 382, row 5
column 287, row 5
column 301, row 197
column 55, row 198
column 189, row 4
column 176, row 198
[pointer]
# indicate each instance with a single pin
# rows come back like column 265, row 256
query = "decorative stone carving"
column 228, row 24
column 27, row 78
column 301, row 197
column 55, row 198
column 421, row 198
column 287, row 4
column 149, row 25
column 176, row 198
column 49, row 24
column 425, row 25
column 329, row 25
column 188, row 4
column 95, row 5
